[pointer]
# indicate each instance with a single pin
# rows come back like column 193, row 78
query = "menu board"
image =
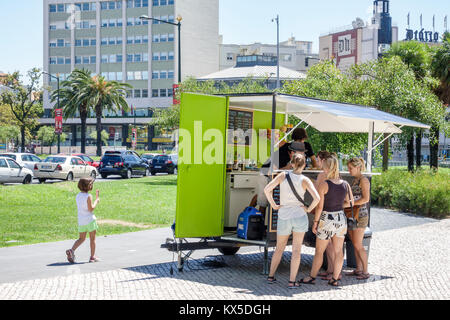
column 274, row 213
column 240, row 124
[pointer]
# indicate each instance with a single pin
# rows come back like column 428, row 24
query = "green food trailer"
column 216, row 131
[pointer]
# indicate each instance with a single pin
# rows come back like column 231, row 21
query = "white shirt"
column 291, row 207
column 84, row 215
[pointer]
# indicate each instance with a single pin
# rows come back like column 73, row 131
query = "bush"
column 424, row 192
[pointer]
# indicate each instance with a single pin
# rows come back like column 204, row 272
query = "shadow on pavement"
column 64, row 264
column 242, row 273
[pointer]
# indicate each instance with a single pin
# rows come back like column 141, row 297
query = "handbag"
column 353, row 211
column 295, row 191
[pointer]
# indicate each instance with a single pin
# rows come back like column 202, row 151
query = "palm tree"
column 440, row 69
column 73, row 101
column 417, row 57
column 103, row 95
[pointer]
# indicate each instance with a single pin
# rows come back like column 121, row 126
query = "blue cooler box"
column 250, row 224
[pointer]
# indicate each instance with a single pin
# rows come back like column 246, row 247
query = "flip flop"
column 295, row 284
column 271, row 280
column 363, row 276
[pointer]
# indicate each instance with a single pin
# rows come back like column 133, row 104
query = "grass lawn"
column 44, row 213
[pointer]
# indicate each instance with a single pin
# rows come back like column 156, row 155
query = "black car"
column 164, row 164
column 123, row 163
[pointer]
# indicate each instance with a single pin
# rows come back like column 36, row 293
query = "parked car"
column 149, row 157
column 123, row 163
column 88, row 160
column 26, row 160
column 13, row 172
column 164, row 164
column 63, row 167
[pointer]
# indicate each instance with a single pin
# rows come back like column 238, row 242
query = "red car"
column 88, row 160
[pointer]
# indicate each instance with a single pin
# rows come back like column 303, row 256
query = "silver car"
column 12, row 172
column 63, row 167
column 26, row 160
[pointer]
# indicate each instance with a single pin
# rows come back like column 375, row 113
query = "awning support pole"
column 378, row 143
column 370, row 146
column 272, row 135
column 287, row 134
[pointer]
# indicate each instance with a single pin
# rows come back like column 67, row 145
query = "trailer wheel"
column 228, row 251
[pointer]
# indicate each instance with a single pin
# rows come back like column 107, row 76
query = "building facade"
column 109, row 39
column 295, row 55
column 360, row 42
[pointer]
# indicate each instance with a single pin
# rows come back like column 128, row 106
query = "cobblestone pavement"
column 411, row 262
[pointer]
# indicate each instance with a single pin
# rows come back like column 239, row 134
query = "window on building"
column 171, row 55
column 171, row 2
column 119, row 23
column 155, row 56
column 163, row 2
column 137, row 75
column 169, row 92
column 130, row 40
column 144, row 75
column 68, row 61
column 137, row 21
column 129, row 58
column 138, row 39
column 130, row 21
column 163, row 93
column 77, row 60
column 137, row 57
column 52, row 8
column 137, row 3
column 144, row 39
column 171, row 37
column 170, row 74
column 60, row 60
column 129, row 93
column 93, row 59
column 112, row 58
column 61, row 7
column 85, row 60
column 119, row 40
column 145, row 3
column 119, row 58
column 156, row 38
column 155, row 93
column 119, row 76
column 104, row 41
column 112, row 41
column 112, row 23
column 156, row 21
column 93, row 42
column 163, row 74
column 163, row 38
column 104, row 23
column 104, row 5
column 104, row 59
column 163, row 56
column 155, row 3
column 155, row 75
column 171, row 19
column 144, row 93
column 137, row 93
column 145, row 57
column 52, row 27
column 130, row 75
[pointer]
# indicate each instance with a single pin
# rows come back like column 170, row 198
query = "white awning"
column 328, row 116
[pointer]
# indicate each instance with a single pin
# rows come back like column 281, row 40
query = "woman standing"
column 330, row 222
column 361, row 191
column 292, row 217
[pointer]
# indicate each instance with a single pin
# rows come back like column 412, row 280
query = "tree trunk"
column 419, row 148
column 83, row 117
column 410, row 153
column 386, row 153
column 99, row 132
column 22, row 135
column 434, row 148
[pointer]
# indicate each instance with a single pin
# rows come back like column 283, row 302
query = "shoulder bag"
column 295, row 191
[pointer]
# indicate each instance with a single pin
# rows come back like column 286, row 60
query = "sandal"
column 310, row 281
column 271, row 280
column 363, row 276
column 333, row 282
column 294, row 284
column 324, row 274
column 94, row 259
column 330, row 275
column 354, row 273
column 70, row 256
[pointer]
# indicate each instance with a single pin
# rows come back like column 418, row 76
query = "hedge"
column 423, row 192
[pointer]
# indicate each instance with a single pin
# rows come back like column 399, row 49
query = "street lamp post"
column 277, row 19
column 57, row 81
column 178, row 25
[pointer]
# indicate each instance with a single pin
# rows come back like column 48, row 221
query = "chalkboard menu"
column 240, row 124
column 274, row 213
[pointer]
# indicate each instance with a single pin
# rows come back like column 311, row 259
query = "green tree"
column 73, row 100
column 102, row 95
column 440, row 68
column 24, row 101
column 415, row 55
column 48, row 136
column 104, row 135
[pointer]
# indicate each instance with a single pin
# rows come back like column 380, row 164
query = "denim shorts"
column 286, row 227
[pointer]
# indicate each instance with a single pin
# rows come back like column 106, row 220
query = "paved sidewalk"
column 409, row 259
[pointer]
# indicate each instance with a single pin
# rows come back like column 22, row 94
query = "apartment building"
column 110, row 39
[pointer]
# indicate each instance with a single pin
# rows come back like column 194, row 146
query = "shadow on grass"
column 159, row 182
column 247, row 275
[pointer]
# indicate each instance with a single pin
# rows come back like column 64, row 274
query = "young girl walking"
column 87, row 222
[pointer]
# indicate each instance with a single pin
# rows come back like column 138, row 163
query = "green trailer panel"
column 201, row 184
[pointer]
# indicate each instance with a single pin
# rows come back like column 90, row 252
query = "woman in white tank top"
column 292, row 217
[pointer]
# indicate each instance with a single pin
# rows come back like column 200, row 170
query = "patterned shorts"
column 332, row 224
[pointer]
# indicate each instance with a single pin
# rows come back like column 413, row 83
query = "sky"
column 240, row 22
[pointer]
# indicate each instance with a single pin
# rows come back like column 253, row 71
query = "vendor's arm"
column 268, row 190
column 309, row 186
column 365, row 188
column 314, row 161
